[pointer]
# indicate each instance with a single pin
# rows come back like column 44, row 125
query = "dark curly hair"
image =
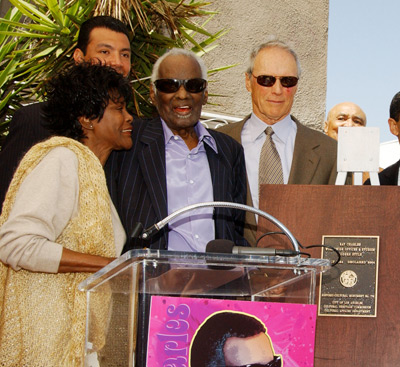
column 207, row 349
column 84, row 90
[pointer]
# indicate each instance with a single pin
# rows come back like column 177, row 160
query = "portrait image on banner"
column 199, row 332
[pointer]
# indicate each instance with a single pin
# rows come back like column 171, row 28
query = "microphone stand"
column 158, row 226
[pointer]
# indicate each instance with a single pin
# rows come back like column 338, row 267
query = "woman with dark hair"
column 58, row 222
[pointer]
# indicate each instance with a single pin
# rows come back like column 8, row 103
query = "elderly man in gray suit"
column 277, row 147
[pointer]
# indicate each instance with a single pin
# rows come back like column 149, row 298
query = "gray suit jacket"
column 314, row 163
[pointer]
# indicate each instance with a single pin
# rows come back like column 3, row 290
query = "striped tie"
column 270, row 169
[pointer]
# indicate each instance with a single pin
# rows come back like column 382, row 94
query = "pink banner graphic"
column 199, row 332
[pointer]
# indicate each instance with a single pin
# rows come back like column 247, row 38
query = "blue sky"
column 364, row 57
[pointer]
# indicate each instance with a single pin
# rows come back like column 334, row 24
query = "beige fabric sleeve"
column 45, row 202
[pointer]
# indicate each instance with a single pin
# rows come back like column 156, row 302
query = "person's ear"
column 152, row 94
column 248, row 82
column 394, row 129
column 205, row 97
column 78, row 56
column 86, row 123
column 326, row 127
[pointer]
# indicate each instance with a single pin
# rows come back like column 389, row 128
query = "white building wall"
column 301, row 23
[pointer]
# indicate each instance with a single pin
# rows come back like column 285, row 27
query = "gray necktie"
column 270, row 169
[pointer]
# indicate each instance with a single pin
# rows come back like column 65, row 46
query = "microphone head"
column 220, row 246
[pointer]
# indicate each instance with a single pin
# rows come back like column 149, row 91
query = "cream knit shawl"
column 42, row 320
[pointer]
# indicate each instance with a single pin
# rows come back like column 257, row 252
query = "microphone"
column 137, row 230
column 228, row 247
column 149, row 232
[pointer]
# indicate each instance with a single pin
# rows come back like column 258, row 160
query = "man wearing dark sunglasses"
column 231, row 338
column 300, row 155
column 176, row 162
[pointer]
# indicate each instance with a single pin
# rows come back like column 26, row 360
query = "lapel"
column 236, row 129
column 305, row 158
column 389, row 175
column 152, row 164
column 216, row 170
column 250, row 230
column 218, row 167
column 396, row 173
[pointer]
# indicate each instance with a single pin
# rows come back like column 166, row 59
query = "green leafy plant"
column 37, row 39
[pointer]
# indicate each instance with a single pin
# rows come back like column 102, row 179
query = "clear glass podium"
column 118, row 296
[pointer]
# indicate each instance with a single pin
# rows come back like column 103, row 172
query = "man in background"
column 390, row 175
column 346, row 114
column 101, row 39
column 277, row 147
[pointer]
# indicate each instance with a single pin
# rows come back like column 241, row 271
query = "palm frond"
column 37, row 39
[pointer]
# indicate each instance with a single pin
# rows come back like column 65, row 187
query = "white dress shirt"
column 253, row 137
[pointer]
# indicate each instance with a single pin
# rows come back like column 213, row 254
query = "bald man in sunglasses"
column 175, row 162
column 294, row 154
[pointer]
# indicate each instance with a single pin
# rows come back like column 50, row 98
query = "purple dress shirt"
column 189, row 182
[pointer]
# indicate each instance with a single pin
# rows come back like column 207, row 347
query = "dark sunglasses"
column 269, row 80
column 195, row 85
column 276, row 362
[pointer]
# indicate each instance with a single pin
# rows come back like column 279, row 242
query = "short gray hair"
column 272, row 44
column 178, row 51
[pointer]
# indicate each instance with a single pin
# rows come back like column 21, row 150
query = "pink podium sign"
column 177, row 325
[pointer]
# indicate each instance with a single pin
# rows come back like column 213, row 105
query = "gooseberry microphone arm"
column 149, row 232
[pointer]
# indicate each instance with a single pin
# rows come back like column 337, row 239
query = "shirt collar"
column 201, row 131
column 281, row 128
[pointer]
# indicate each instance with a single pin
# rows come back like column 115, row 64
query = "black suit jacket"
column 137, row 184
column 388, row 176
column 25, row 131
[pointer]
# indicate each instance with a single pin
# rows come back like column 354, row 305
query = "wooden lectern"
column 310, row 212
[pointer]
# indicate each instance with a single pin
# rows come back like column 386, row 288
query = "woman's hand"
column 76, row 262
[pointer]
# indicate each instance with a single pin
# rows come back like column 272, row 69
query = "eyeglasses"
column 269, row 80
column 195, row 85
column 276, row 362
